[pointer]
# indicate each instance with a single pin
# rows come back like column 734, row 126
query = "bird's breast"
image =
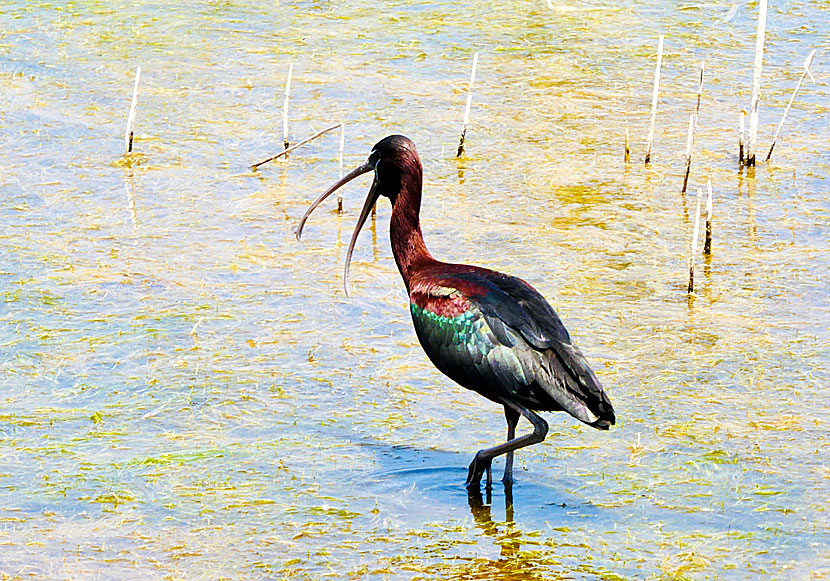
column 461, row 346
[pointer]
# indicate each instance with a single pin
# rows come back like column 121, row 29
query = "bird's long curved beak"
column 371, row 198
column 360, row 170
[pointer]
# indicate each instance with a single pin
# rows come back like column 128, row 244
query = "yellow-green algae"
column 187, row 393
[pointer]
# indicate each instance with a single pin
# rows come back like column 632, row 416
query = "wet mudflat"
column 186, row 392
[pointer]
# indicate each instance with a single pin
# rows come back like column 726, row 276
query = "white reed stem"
column 707, row 244
column 340, row 167
column 654, row 99
column 128, row 136
column 755, row 103
column 689, row 140
column 469, row 104
column 693, row 130
column 285, row 106
column 693, row 248
column 741, row 133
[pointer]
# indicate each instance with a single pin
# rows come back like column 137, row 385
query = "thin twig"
column 296, row 145
column 804, row 73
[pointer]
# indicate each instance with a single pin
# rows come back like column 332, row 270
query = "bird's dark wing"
column 520, row 306
column 495, row 334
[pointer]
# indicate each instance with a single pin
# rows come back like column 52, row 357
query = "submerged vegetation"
column 187, row 392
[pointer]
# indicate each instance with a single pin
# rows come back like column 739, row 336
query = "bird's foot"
column 477, row 468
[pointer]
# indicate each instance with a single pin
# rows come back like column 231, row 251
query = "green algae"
column 186, row 392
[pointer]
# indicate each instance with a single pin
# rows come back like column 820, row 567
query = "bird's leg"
column 512, row 416
column 484, row 458
column 481, row 463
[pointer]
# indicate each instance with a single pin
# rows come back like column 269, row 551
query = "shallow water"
column 187, row 392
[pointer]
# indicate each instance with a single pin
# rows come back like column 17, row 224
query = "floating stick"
column 469, row 103
column 340, row 164
column 128, row 136
column 285, row 106
column 756, row 83
column 806, row 72
column 627, row 149
column 741, row 139
column 296, row 145
column 689, row 140
column 654, row 99
column 707, row 243
column 693, row 248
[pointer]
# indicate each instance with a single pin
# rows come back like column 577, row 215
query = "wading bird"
column 489, row 332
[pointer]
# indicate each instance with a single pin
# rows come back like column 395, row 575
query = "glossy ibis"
column 490, row 332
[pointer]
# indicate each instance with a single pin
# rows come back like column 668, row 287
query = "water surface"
column 188, row 393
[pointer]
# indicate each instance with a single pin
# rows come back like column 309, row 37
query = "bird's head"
column 393, row 160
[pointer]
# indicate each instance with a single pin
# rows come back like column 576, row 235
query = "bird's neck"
column 408, row 245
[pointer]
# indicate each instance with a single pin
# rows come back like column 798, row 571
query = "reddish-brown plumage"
column 432, row 287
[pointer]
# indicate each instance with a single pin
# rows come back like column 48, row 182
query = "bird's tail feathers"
column 580, row 392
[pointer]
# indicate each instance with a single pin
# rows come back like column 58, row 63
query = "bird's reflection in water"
column 513, row 564
column 481, row 511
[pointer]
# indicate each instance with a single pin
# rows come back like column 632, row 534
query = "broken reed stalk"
column 693, row 248
column 689, row 140
column 340, row 167
column 128, row 136
column 285, row 106
column 627, row 148
column 755, row 102
column 692, row 131
column 654, row 99
column 707, row 243
column 804, row 73
column 741, row 131
column 469, row 103
column 296, row 145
